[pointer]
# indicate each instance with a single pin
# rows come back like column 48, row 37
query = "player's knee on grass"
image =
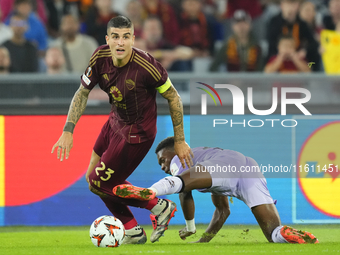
column 268, row 218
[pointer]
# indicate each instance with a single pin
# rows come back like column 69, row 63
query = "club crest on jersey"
column 130, row 84
column 116, row 94
column 88, row 72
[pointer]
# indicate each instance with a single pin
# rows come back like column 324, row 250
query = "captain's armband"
column 161, row 89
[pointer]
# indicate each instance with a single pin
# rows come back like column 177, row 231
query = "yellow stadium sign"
column 318, row 174
column 330, row 42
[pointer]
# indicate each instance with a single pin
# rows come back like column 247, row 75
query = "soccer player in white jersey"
column 250, row 187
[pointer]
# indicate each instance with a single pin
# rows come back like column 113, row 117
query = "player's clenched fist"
column 184, row 153
column 184, row 233
column 64, row 145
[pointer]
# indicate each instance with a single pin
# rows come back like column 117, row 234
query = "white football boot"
column 161, row 221
column 135, row 235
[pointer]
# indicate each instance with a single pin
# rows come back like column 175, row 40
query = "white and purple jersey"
column 204, row 154
column 229, row 178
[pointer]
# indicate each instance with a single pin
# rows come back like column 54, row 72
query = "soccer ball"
column 107, row 231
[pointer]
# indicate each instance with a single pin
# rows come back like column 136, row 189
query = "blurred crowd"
column 59, row 36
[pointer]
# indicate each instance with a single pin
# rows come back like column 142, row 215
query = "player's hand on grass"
column 206, row 237
column 184, row 233
column 64, row 145
column 184, row 153
column 203, row 240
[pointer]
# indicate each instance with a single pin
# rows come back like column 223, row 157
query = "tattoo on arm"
column 77, row 108
column 170, row 94
column 176, row 112
column 177, row 117
column 179, row 134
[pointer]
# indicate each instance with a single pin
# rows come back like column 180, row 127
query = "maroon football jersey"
column 131, row 89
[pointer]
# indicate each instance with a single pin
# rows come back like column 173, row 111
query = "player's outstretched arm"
column 77, row 107
column 220, row 215
column 182, row 149
column 188, row 207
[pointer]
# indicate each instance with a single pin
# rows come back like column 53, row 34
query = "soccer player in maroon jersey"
column 131, row 78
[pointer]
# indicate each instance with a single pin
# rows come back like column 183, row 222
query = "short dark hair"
column 168, row 142
column 119, row 22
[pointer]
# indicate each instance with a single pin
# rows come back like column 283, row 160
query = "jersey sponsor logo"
column 174, row 169
column 318, row 173
column 106, row 77
column 116, row 94
column 119, row 105
column 88, row 72
column 86, row 80
column 130, row 84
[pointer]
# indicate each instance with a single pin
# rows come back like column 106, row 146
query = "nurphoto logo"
column 238, row 104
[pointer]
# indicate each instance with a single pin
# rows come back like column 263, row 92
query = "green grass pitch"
column 232, row 239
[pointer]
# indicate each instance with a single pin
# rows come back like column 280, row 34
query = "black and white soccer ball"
column 107, row 231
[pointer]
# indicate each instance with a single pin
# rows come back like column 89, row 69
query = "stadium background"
column 36, row 189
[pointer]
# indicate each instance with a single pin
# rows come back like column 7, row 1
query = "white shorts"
column 252, row 191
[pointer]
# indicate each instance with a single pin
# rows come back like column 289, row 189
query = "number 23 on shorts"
column 109, row 172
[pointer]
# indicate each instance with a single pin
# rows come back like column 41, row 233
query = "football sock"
column 151, row 203
column 167, row 186
column 130, row 224
column 135, row 230
column 277, row 237
column 159, row 207
column 154, row 190
column 122, row 211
